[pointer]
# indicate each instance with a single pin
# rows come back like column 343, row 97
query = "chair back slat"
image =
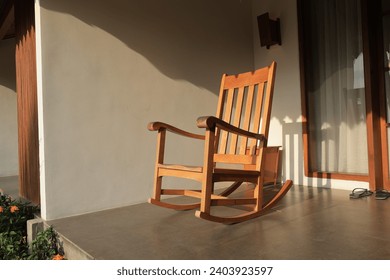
column 227, row 115
column 247, row 117
column 257, row 113
column 237, row 119
column 245, row 102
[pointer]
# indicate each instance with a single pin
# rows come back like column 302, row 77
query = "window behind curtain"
column 335, row 97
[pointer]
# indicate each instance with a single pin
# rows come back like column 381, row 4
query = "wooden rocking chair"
column 236, row 138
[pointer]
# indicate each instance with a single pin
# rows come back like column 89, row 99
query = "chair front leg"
column 259, row 189
column 259, row 193
column 160, row 151
column 208, row 166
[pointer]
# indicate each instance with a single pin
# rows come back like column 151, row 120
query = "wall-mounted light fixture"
column 269, row 30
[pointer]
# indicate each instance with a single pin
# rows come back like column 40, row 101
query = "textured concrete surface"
column 309, row 223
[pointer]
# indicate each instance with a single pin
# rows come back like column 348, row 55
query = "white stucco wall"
column 8, row 113
column 286, row 123
column 107, row 69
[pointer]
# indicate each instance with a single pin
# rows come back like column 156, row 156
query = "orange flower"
column 58, row 257
column 1, row 209
column 13, row 209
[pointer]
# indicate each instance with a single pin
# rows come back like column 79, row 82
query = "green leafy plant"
column 46, row 246
column 13, row 246
column 14, row 215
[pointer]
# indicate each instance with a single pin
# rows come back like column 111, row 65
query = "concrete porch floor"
column 10, row 185
column 309, row 223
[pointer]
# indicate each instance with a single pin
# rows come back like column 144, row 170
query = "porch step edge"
column 71, row 250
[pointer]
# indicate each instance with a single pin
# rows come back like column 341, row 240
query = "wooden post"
column 26, row 89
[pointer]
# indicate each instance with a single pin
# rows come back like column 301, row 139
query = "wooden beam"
column 372, row 71
column 26, row 89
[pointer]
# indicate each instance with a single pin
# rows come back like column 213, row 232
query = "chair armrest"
column 212, row 122
column 157, row 126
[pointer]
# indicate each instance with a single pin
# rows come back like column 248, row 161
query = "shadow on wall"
column 195, row 41
column 8, row 68
column 292, row 143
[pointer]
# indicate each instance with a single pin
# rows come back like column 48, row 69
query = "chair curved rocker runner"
column 236, row 138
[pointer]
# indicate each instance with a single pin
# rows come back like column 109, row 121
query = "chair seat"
column 198, row 169
column 219, row 174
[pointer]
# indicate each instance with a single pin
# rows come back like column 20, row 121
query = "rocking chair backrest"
column 244, row 101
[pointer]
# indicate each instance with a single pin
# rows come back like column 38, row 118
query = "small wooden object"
column 269, row 31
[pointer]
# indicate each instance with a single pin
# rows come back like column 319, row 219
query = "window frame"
column 371, row 42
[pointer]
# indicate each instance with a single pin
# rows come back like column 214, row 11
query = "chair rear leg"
column 157, row 188
column 259, row 194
